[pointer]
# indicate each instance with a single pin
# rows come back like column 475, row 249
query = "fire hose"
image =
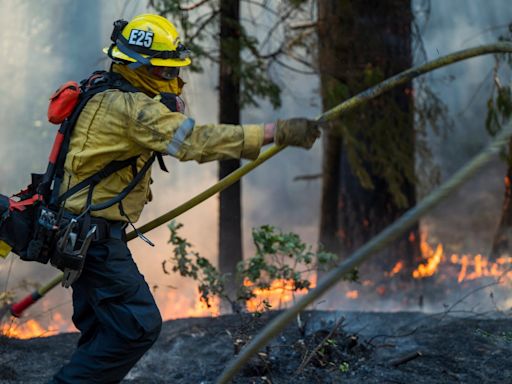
column 17, row 309
column 379, row 242
column 394, row 230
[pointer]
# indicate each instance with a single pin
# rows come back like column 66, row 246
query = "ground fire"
column 280, row 294
column 467, row 266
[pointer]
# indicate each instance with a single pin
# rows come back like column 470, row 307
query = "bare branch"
column 192, row 6
column 304, row 24
column 272, row 55
column 296, row 70
column 282, row 18
column 263, row 6
column 308, row 177
column 203, row 25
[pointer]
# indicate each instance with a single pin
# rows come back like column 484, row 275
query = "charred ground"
column 325, row 347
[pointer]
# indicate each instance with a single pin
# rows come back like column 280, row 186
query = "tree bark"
column 361, row 43
column 230, row 211
column 502, row 241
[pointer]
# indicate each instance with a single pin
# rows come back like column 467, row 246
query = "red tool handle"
column 18, row 308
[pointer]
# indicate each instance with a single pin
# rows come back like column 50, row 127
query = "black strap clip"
column 118, row 29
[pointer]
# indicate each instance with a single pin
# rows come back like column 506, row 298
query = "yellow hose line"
column 399, row 227
column 349, row 104
column 379, row 242
column 232, row 178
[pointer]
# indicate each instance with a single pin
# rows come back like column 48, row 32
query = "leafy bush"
column 279, row 257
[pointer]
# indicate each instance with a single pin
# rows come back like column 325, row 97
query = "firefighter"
column 113, row 307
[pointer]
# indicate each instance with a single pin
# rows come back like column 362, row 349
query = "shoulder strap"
column 98, row 82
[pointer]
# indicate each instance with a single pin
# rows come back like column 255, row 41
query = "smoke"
column 465, row 87
column 47, row 43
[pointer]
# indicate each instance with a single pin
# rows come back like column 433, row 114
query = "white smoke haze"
column 55, row 41
column 47, row 43
column 466, row 223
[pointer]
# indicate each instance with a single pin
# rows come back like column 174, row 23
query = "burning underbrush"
column 437, row 279
column 460, row 343
column 320, row 347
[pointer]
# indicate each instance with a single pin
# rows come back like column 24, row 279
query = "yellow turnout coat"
column 116, row 125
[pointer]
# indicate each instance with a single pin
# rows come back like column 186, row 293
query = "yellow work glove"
column 298, row 132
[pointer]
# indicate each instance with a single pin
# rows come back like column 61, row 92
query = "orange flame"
column 397, row 268
column 179, row 305
column 25, row 330
column 433, row 259
column 279, row 293
column 470, row 267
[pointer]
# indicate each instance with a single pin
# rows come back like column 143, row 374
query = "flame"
column 397, row 268
column 433, row 259
column 280, row 292
column 185, row 302
column 25, row 330
column 173, row 304
column 177, row 305
column 470, row 267
column 381, row 290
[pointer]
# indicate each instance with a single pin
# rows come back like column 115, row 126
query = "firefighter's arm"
column 224, row 141
column 151, row 125
column 216, row 141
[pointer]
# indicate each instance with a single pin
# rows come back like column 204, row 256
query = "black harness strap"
column 91, row 181
column 117, row 199
column 161, row 162
column 99, row 82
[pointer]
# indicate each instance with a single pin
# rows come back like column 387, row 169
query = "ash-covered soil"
column 325, row 347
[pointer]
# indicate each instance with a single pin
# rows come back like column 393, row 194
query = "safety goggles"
column 167, row 73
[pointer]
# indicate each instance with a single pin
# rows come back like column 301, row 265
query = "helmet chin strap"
column 140, row 60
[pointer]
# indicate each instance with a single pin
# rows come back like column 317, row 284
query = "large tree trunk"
column 230, row 215
column 502, row 242
column 361, row 43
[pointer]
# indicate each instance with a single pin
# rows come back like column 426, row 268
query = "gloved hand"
column 298, row 132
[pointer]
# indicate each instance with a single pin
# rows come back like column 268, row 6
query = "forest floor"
column 327, row 347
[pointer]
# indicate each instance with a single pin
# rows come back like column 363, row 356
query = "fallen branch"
column 405, row 358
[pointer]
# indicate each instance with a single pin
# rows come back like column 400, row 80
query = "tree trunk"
column 361, row 43
column 502, row 242
column 230, row 215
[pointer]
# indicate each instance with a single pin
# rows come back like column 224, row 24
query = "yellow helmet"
column 148, row 40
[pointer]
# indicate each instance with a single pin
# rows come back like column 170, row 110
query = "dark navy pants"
column 115, row 313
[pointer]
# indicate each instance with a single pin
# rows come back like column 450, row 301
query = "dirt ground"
column 327, row 347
